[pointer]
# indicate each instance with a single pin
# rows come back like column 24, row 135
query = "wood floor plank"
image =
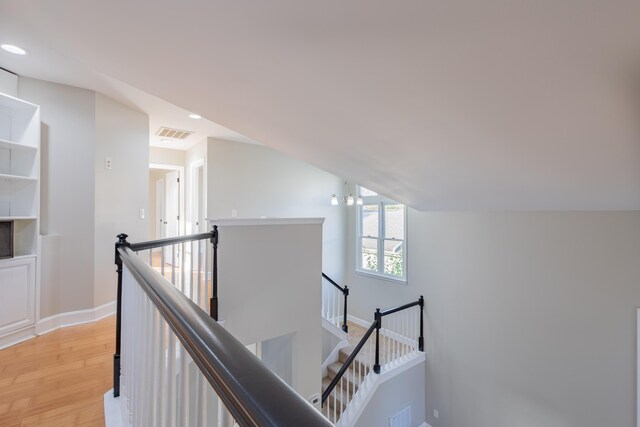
column 58, row 379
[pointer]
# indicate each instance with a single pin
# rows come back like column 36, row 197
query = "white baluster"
column 388, row 340
column 157, row 368
column 398, row 334
column 162, row 261
column 204, row 401
column 173, row 264
column 182, row 275
column 199, row 283
column 191, row 272
column 165, row 374
column 335, row 404
column 183, row 390
column 144, row 355
column 171, row 371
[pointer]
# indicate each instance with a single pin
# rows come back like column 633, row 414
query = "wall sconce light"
column 347, row 200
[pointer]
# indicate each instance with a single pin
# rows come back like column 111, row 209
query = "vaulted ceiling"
column 444, row 105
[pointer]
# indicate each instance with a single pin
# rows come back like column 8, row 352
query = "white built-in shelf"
column 17, row 178
column 13, row 103
column 19, row 203
column 18, row 257
column 18, row 218
column 10, row 145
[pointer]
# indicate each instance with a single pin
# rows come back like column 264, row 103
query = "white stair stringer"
column 370, row 384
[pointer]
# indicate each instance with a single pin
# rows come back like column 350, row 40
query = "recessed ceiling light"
column 14, row 49
column 166, row 141
column 195, row 116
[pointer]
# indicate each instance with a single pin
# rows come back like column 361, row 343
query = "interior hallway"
column 58, row 379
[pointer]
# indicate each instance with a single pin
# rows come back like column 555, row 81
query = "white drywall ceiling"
column 451, row 105
column 48, row 61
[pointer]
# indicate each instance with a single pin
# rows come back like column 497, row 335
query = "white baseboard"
column 73, row 318
column 358, row 321
column 17, row 337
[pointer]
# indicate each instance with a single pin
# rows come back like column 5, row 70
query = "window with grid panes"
column 381, row 239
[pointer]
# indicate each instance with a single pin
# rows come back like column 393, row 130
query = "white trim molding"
column 17, row 337
column 73, row 318
column 358, row 321
column 231, row 222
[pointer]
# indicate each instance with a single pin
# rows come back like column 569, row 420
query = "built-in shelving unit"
column 19, row 202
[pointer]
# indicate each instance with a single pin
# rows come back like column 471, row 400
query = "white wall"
column 67, row 191
column 166, row 156
column 270, row 286
column 530, row 316
column 329, row 342
column 277, row 355
column 395, row 394
column 82, row 204
column 258, row 181
column 123, row 135
column 8, row 83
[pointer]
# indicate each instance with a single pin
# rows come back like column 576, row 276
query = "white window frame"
column 380, row 274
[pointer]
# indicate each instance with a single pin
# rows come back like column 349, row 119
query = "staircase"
column 351, row 380
column 384, row 345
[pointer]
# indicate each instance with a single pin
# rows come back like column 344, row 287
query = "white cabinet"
column 19, row 202
column 17, row 294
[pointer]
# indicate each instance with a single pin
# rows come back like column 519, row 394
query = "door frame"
column 193, row 167
column 160, row 205
column 181, row 208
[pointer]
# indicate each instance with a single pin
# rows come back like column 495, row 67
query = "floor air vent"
column 173, row 133
column 401, row 419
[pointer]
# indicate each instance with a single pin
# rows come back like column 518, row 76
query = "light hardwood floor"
column 58, row 379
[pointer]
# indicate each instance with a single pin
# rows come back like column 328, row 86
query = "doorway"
column 166, row 201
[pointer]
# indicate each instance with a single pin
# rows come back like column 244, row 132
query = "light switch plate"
column 107, row 163
column 141, row 213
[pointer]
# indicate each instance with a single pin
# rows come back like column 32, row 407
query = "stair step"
column 344, row 354
column 354, row 372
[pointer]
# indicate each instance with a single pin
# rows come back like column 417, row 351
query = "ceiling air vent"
column 173, row 133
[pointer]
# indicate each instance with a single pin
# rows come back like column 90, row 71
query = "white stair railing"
column 399, row 336
column 334, row 302
column 160, row 384
column 176, row 366
column 395, row 336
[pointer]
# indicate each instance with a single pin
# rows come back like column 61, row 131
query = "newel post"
column 378, row 320
column 421, row 339
column 213, row 302
column 122, row 241
column 345, row 326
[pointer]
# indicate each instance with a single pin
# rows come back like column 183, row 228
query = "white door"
column 172, row 211
column 160, row 218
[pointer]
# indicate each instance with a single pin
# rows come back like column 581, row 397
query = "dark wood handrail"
column 151, row 244
column 348, row 362
column 345, row 293
column 344, row 290
column 378, row 322
column 253, row 394
column 400, row 308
